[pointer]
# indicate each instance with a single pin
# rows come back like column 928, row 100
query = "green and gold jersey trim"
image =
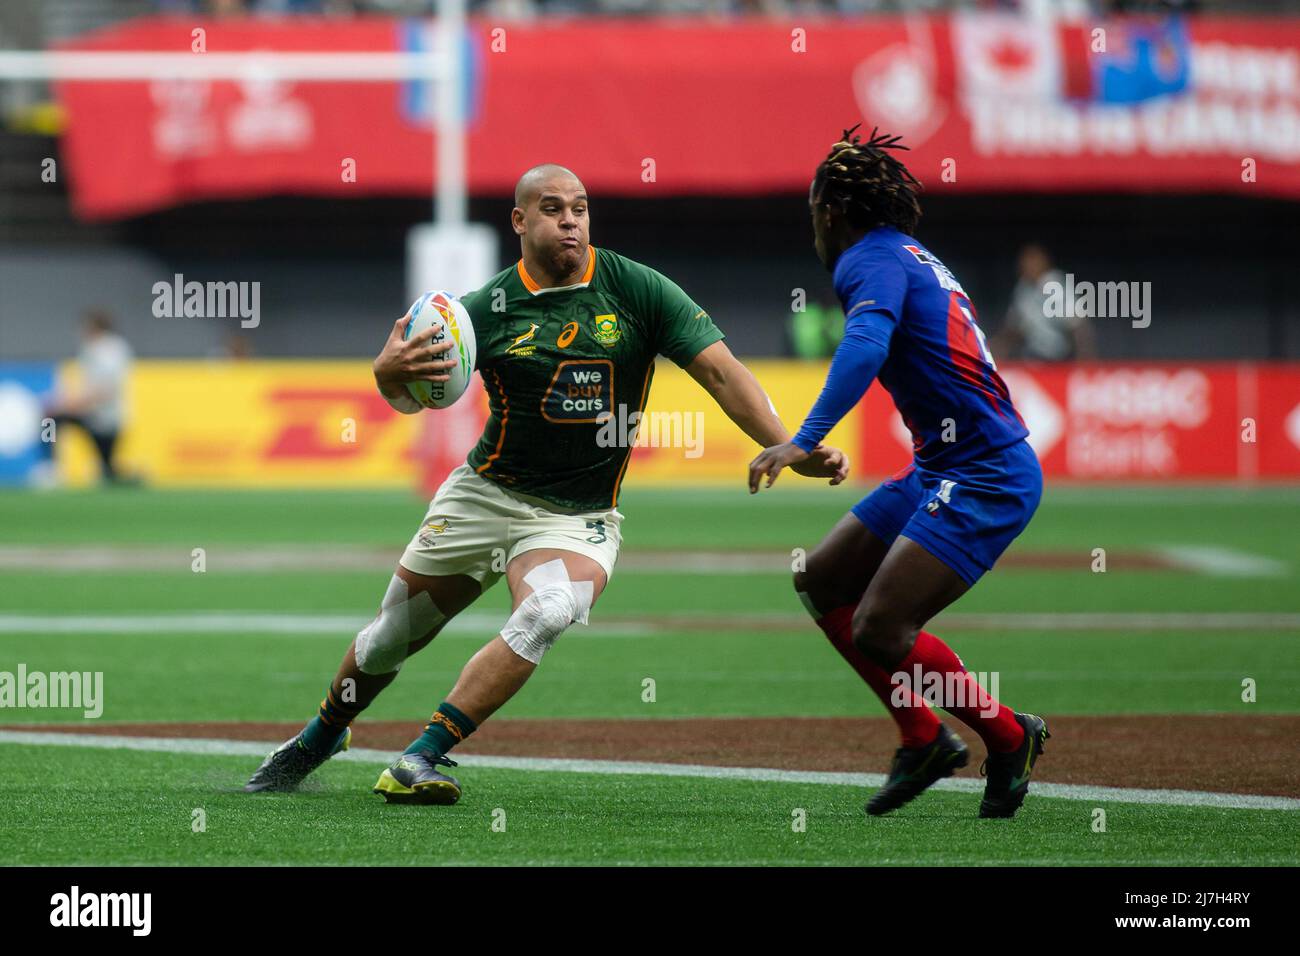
column 645, row 389
column 505, row 419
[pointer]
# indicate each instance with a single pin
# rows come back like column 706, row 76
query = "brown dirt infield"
column 1221, row 753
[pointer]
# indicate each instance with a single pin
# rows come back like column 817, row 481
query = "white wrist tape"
column 382, row 645
column 556, row 602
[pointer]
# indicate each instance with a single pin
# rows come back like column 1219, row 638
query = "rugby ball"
column 445, row 311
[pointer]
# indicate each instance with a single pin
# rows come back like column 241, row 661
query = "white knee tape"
column 382, row 644
column 556, row 602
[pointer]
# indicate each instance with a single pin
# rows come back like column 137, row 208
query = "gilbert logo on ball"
column 446, row 313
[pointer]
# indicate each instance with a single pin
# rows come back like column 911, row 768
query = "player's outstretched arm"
column 409, row 360
column 856, row 362
column 738, row 393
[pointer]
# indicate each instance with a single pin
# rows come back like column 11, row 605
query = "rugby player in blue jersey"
column 924, row 537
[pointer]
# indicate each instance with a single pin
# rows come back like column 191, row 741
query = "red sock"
column 917, row 722
column 1000, row 731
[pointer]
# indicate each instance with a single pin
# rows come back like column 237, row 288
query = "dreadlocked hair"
column 867, row 184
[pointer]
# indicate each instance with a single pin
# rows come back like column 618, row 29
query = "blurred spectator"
column 236, row 348
column 1030, row 330
column 98, row 406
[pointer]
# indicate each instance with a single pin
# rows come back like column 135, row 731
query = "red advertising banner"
column 986, row 101
column 1274, row 393
column 1162, row 421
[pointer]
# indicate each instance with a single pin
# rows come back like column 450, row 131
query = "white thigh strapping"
column 382, row 644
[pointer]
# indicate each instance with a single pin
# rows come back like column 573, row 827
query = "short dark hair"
column 867, row 184
column 99, row 319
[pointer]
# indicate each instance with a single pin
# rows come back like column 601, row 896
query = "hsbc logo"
column 1292, row 426
column 1164, row 420
column 1152, row 398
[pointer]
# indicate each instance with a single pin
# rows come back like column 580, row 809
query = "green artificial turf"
column 687, row 630
column 73, row 806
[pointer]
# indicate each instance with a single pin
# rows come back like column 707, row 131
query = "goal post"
column 449, row 252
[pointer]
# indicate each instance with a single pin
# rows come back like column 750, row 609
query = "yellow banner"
column 257, row 424
column 318, row 424
column 698, row 444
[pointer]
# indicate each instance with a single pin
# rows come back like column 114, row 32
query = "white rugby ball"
column 445, row 311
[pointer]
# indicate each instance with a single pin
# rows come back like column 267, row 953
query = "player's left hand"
column 824, row 462
column 770, row 461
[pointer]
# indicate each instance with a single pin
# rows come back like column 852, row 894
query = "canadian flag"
column 1006, row 57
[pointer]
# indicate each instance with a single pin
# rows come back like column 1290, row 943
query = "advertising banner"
column 986, row 102
column 322, row 425
column 1159, row 421
column 25, row 389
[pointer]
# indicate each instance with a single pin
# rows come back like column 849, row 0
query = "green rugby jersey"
column 556, row 362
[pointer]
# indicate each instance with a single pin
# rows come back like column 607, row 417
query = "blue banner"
column 25, row 387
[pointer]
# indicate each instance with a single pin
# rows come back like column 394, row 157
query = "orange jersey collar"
column 532, row 286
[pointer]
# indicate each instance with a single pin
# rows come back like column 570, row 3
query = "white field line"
column 1222, row 562
column 1121, row 620
column 119, row 558
column 479, row 624
column 476, row 624
column 1146, row 495
column 1207, row 559
column 208, row 622
column 1063, row 791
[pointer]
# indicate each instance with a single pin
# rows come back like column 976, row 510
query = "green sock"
column 322, row 734
column 445, row 729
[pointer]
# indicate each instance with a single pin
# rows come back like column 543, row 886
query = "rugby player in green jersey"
column 565, row 337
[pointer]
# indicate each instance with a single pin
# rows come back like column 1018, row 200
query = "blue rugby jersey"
column 909, row 323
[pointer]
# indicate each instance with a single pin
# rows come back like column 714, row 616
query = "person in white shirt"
column 1031, row 332
column 98, row 406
